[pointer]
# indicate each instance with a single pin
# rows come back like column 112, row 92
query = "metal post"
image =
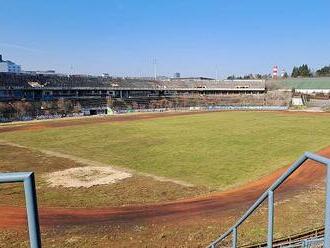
column 32, row 211
column 327, row 211
column 270, row 219
column 235, row 237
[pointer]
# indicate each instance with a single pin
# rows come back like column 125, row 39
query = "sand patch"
column 87, row 176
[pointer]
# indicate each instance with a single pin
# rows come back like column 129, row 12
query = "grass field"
column 213, row 151
column 217, row 150
column 133, row 190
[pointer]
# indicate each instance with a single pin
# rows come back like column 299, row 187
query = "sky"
column 193, row 37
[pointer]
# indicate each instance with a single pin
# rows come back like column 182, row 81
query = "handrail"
column 27, row 178
column 269, row 193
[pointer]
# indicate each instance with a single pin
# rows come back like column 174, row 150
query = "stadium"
column 160, row 124
column 201, row 165
column 47, row 95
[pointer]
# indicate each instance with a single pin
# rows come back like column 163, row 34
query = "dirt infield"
column 184, row 211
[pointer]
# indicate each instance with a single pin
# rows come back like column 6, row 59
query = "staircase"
column 309, row 238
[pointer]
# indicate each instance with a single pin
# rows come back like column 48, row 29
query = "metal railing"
column 27, row 178
column 291, row 239
column 306, row 243
column 318, row 242
column 270, row 195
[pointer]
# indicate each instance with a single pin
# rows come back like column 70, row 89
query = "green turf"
column 219, row 150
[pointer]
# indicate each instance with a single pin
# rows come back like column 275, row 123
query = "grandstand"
column 90, row 95
column 49, row 87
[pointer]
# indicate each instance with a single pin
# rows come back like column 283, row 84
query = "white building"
column 9, row 66
column 297, row 101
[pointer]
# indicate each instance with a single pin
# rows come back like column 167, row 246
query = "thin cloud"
column 25, row 48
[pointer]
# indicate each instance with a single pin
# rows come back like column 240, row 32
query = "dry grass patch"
column 91, row 191
column 86, row 176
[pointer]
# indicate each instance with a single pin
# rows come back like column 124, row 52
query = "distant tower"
column 275, row 72
column 177, row 75
column 283, row 73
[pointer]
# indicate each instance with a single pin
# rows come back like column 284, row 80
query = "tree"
column 64, row 106
column 301, row 71
column 135, row 105
column 285, row 75
column 22, row 108
column 258, row 76
column 109, row 102
column 323, row 72
column 295, row 72
column 77, row 108
column 154, row 104
column 61, row 106
column 5, row 110
column 305, row 71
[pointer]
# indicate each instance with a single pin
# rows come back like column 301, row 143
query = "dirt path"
column 213, row 206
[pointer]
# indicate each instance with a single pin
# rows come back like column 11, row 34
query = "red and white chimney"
column 275, row 72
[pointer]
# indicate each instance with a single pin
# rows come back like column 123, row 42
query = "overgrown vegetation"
column 21, row 110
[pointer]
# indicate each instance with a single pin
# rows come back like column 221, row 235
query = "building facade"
column 9, row 66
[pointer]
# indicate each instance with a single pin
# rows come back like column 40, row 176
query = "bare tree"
column 77, row 108
column 135, row 105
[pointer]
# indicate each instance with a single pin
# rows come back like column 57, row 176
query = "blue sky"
column 194, row 37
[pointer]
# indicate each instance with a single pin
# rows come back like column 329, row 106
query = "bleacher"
column 247, row 84
column 77, row 81
column 38, row 87
column 70, row 81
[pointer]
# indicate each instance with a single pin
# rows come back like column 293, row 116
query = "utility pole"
column 155, row 68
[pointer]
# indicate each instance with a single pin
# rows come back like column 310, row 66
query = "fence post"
column 234, row 237
column 270, row 219
column 327, row 211
column 32, row 211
